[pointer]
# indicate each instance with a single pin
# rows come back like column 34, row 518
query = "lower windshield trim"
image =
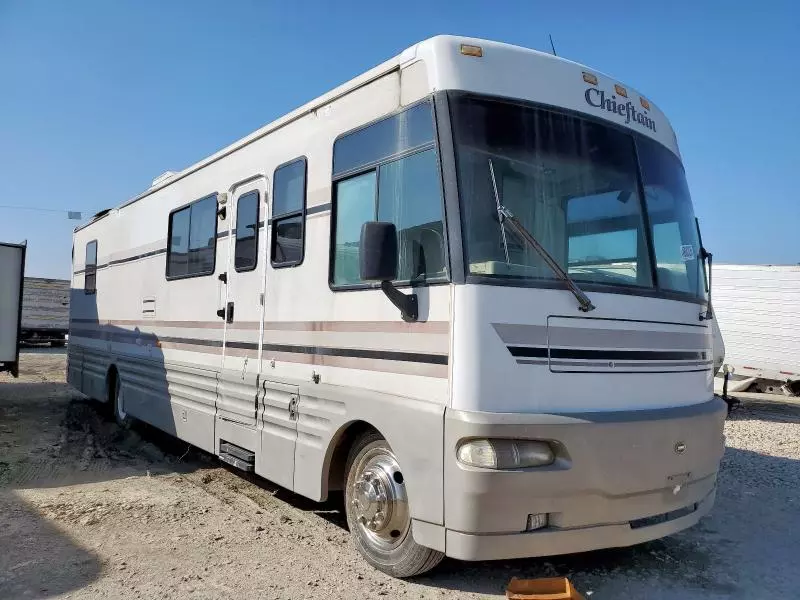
column 585, row 286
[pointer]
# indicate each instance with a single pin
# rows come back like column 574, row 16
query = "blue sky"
column 97, row 97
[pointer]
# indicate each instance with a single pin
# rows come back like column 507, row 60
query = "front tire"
column 378, row 512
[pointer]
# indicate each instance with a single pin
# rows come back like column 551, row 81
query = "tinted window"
column 191, row 249
column 572, row 184
column 402, row 132
column 355, row 205
column 246, row 250
column 90, row 274
column 675, row 238
column 409, row 196
column 406, row 192
column 288, row 218
column 290, row 188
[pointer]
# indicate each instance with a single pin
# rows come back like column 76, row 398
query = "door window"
column 246, row 247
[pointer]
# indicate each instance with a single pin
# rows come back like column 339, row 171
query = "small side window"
column 288, row 214
column 192, row 243
column 90, row 274
column 246, row 249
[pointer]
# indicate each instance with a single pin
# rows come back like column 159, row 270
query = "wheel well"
column 111, row 383
column 338, row 461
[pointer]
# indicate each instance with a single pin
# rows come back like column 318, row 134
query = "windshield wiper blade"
column 503, row 214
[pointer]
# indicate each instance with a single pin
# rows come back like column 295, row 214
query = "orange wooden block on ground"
column 548, row 588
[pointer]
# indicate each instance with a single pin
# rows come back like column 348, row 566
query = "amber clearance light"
column 468, row 50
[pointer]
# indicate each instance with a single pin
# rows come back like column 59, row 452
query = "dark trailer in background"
column 45, row 311
column 12, row 271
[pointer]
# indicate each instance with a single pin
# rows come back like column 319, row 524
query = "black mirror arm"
column 406, row 303
column 708, row 258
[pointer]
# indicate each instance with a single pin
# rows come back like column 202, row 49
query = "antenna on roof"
column 552, row 45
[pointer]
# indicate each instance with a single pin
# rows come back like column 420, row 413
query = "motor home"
column 12, row 272
column 464, row 288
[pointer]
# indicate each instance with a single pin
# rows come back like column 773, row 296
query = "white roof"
column 503, row 70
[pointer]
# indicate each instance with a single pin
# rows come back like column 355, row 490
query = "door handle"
column 226, row 313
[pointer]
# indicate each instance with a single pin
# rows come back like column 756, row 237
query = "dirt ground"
column 88, row 510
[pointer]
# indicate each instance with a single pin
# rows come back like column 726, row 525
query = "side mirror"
column 378, row 258
column 378, row 254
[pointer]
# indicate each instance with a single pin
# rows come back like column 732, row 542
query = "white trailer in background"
column 758, row 309
column 45, row 311
column 12, row 270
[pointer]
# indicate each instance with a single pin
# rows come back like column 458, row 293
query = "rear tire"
column 117, row 398
column 378, row 513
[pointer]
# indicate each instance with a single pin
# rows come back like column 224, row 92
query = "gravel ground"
column 88, row 510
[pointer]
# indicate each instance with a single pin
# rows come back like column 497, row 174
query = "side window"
column 246, row 249
column 355, row 205
column 673, row 273
column 192, row 243
column 288, row 214
column 90, row 274
column 389, row 171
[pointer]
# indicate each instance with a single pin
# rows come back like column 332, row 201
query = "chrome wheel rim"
column 120, row 409
column 377, row 500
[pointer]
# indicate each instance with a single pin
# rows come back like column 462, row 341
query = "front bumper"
column 619, row 479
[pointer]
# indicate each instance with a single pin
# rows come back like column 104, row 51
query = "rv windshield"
column 574, row 184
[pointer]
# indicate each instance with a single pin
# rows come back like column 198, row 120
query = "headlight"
column 505, row 454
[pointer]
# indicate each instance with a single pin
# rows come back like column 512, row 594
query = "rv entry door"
column 241, row 312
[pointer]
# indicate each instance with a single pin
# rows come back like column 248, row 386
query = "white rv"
column 466, row 288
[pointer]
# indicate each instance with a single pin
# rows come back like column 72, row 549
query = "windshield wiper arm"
column 503, row 214
column 499, row 214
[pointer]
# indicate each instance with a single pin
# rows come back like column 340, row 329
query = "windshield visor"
column 575, row 185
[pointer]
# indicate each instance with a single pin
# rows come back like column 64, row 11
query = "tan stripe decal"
column 441, row 327
column 360, row 326
column 365, row 364
column 153, row 323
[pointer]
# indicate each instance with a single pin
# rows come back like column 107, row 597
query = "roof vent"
column 163, row 177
